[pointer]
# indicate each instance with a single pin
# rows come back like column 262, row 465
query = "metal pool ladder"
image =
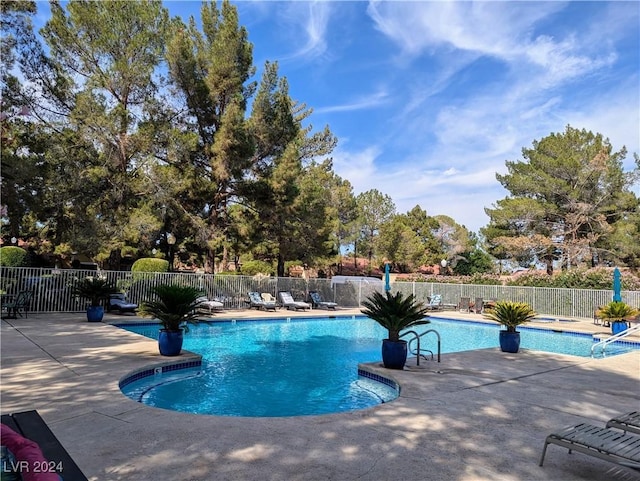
column 605, row 342
column 416, row 339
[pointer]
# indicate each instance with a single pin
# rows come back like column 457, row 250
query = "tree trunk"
column 280, row 265
column 549, row 262
column 225, row 259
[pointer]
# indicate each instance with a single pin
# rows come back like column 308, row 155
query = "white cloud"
column 502, row 30
column 488, row 27
column 359, row 103
column 313, row 17
column 356, row 167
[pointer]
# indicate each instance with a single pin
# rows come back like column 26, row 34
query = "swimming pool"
column 306, row 366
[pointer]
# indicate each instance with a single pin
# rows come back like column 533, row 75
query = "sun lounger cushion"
column 26, row 451
column 119, row 302
column 435, row 303
column 30, row 425
column 287, row 301
column 211, row 305
column 318, row 302
column 256, row 301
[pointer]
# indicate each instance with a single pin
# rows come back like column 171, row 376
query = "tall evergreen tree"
column 566, row 198
column 210, row 70
column 282, row 146
column 374, row 209
column 109, row 52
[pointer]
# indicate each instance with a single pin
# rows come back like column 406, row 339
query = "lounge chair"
column 627, row 422
column 319, row 303
column 608, row 444
column 435, row 303
column 18, row 306
column 211, row 305
column 256, row 301
column 287, row 301
column 26, row 429
column 119, row 303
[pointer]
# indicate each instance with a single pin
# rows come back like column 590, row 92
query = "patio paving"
column 480, row 415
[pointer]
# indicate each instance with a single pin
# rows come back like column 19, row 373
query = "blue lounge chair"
column 119, row 303
column 319, row 303
column 435, row 303
column 256, row 301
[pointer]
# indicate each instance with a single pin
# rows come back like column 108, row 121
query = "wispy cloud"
column 502, row 30
column 359, row 103
column 429, row 99
column 310, row 20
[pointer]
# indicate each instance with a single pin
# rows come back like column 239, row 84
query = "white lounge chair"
column 287, row 301
column 608, row 444
column 268, row 297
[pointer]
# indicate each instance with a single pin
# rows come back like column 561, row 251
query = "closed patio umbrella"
column 387, row 285
column 617, row 285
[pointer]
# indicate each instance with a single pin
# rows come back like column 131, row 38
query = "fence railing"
column 52, row 290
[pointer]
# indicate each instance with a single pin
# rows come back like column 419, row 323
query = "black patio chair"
column 18, row 306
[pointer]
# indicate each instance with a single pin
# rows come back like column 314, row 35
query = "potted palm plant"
column 616, row 313
column 395, row 313
column 95, row 289
column 175, row 307
column 510, row 314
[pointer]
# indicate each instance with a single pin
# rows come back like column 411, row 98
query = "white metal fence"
column 52, row 290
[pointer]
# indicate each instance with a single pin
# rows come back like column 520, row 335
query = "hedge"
column 13, row 256
column 150, row 264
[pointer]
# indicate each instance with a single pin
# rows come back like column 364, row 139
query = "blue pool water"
column 306, row 366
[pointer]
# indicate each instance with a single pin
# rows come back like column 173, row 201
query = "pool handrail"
column 416, row 337
column 605, row 342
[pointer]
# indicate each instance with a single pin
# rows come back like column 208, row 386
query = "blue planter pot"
column 95, row 313
column 170, row 342
column 509, row 341
column 394, row 354
column 618, row 327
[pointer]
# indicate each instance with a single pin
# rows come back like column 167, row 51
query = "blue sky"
column 428, row 99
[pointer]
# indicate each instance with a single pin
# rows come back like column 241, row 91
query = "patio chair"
column 319, row 303
column 268, row 297
column 435, row 303
column 210, row 304
column 464, row 304
column 18, row 306
column 119, row 303
column 287, row 301
column 256, row 301
column 627, row 422
column 597, row 320
column 608, row 444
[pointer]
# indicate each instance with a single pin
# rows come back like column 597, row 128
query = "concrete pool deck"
column 480, row 415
